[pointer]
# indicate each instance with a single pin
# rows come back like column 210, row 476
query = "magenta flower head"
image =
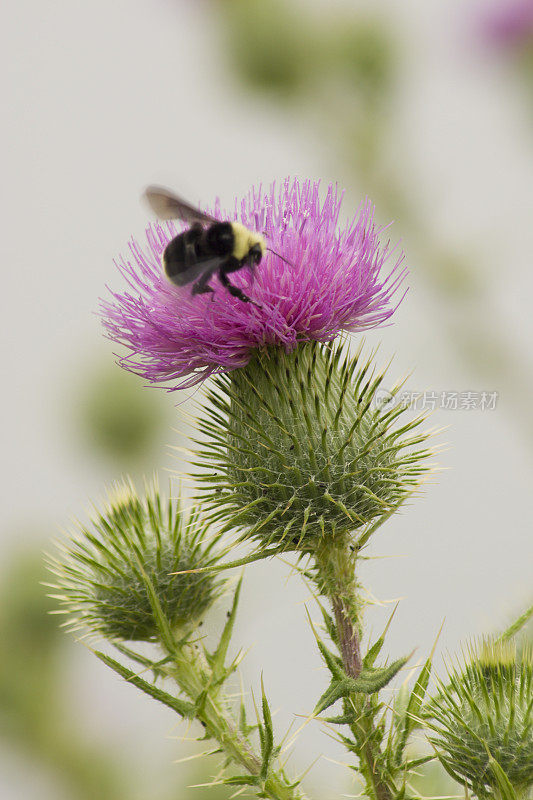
column 328, row 279
column 510, row 23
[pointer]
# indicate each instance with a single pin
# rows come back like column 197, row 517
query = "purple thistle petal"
column 333, row 282
column 509, row 23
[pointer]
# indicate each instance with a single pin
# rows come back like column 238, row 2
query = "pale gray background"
column 101, row 98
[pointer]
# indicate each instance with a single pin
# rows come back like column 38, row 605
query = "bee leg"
column 201, row 286
column 234, row 290
column 250, row 263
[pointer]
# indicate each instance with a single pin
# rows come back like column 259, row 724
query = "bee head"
column 256, row 254
column 247, row 245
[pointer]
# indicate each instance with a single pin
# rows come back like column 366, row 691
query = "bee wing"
column 167, row 205
column 195, row 270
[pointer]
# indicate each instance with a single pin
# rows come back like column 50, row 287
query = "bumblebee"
column 207, row 247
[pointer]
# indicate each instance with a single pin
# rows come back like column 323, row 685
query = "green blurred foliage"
column 33, row 713
column 270, row 44
column 278, row 49
column 525, row 70
column 363, row 51
column 338, row 68
column 118, row 418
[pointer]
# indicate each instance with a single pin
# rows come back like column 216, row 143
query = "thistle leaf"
column 372, row 679
column 333, row 662
column 218, row 658
column 505, row 787
column 342, row 719
column 267, row 739
column 182, row 707
column 330, row 625
column 408, row 721
column 334, row 692
column 418, row 762
column 517, row 625
column 160, row 620
column 376, row 648
column 405, row 722
column 369, row 681
column 242, row 780
column 244, row 727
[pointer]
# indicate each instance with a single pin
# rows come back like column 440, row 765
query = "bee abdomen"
column 180, row 254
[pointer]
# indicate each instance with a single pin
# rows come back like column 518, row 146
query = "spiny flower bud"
column 298, row 448
column 484, row 714
column 106, row 571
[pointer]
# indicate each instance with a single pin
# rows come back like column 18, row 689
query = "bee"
column 207, row 247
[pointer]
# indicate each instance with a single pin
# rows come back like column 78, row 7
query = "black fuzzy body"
column 197, row 254
column 197, row 251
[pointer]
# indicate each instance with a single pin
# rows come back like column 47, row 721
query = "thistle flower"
column 331, row 280
column 296, row 448
column 482, row 719
column 109, row 571
column 510, row 23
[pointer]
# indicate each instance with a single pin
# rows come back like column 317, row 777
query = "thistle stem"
column 212, row 711
column 350, row 646
column 336, row 567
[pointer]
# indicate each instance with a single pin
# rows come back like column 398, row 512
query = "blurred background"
column 424, row 107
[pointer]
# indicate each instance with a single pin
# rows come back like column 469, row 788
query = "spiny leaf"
column 418, row 762
column 218, row 658
column 182, row 707
column 333, row 662
column 408, row 721
column 507, row 791
column 517, row 625
column 369, row 681
column 244, row 727
column 446, row 765
column 162, row 623
column 226, row 565
column 342, row 719
column 155, row 666
column 267, row 739
column 375, row 650
column 334, row 692
column 330, row 625
column 242, row 780
column 373, row 679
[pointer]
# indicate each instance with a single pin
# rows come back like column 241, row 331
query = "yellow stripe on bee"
column 244, row 240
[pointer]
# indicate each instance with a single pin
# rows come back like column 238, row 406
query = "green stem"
column 191, row 673
column 336, row 567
